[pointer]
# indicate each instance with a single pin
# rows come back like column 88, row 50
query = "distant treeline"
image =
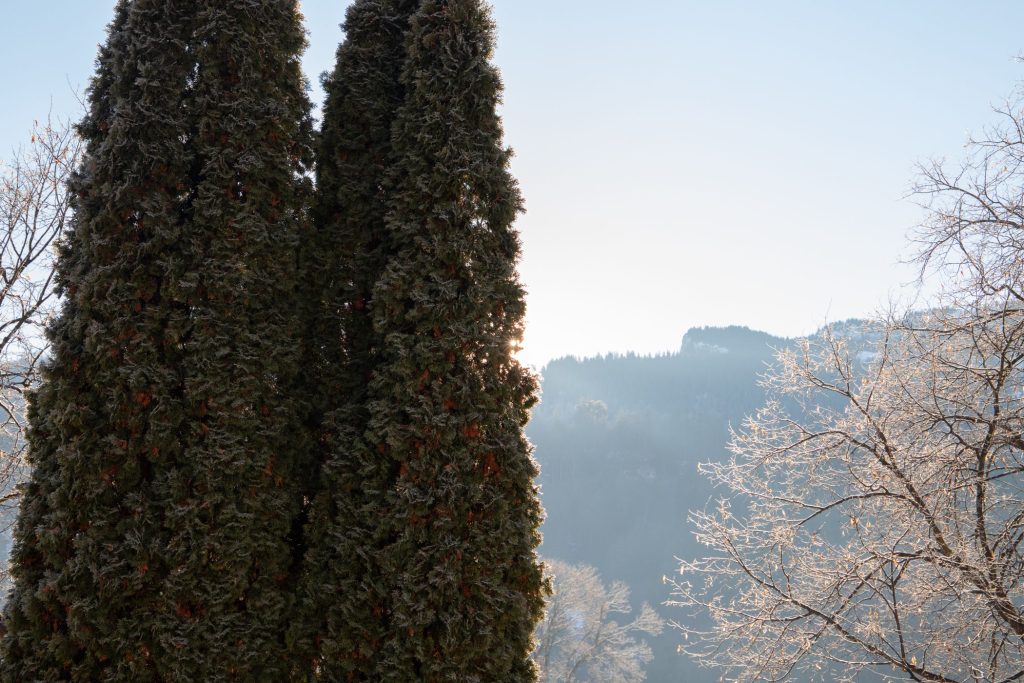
column 619, row 438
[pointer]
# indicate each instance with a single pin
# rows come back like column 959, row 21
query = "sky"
column 684, row 162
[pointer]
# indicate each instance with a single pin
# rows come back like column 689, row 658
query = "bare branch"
column 34, row 210
column 872, row 514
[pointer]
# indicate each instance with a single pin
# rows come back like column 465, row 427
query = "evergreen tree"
column 349, row 252
column 437, row 484
column 155, row 540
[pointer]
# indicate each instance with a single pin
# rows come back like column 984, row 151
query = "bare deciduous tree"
column 973, row 234
column 34, row 208
column 873, row 513
column 581, row 637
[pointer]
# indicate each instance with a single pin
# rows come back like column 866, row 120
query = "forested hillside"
column 619, row 439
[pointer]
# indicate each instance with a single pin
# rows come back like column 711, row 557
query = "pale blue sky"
column 684, row 162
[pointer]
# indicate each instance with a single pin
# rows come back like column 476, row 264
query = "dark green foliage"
column 349, row 252
column 155, row 541
column 460, row 511
column 363, row 96
column 433, row 511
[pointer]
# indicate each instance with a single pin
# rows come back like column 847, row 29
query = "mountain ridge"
column 619, row 438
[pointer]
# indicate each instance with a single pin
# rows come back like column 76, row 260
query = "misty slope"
column 619, row 438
